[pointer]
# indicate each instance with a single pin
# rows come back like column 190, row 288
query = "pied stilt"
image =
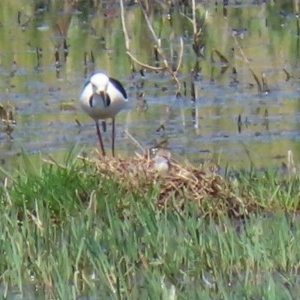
column 102, row 98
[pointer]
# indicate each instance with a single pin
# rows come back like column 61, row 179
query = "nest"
column 179, row 183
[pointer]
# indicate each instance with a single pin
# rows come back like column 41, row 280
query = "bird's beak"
column 103, row 96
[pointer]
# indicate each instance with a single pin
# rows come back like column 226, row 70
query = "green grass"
column 69, row 232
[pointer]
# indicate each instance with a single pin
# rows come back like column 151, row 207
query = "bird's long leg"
column 100, row 138
column 113, row 136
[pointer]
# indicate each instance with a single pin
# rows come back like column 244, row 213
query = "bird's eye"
column 91, row 101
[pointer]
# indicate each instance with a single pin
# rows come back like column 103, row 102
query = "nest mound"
column 178, row 183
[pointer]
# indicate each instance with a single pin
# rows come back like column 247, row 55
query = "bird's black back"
column 118, row 85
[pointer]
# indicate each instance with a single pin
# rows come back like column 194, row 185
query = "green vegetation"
column 71, row 229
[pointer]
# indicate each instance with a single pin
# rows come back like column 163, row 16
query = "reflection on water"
column 48, row 48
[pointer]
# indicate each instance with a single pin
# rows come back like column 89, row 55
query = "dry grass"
column 178, row 183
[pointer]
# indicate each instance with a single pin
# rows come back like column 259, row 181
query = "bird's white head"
column 99, row 82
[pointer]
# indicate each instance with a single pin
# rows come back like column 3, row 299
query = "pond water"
column 48, row 48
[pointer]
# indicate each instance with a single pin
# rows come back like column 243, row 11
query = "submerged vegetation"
column 84, row 228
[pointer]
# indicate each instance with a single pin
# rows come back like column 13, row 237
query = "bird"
column 103, row 97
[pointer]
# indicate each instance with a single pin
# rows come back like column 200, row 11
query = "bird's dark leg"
column 100, row 138
column 104, row 126
column 113, row 136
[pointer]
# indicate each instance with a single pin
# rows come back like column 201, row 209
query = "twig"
column 194, row 17
column 137, row 143
column 180, row 55
column 197, row 32
column 187, row 17
column 159, row 49
column 149, row 25
column 127, row 41
column 248, row 64
column 145, row 65
column 262, row 87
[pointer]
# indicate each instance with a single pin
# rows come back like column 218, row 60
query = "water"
column 48, row 50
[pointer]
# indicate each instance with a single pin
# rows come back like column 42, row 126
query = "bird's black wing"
column 118, row 85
